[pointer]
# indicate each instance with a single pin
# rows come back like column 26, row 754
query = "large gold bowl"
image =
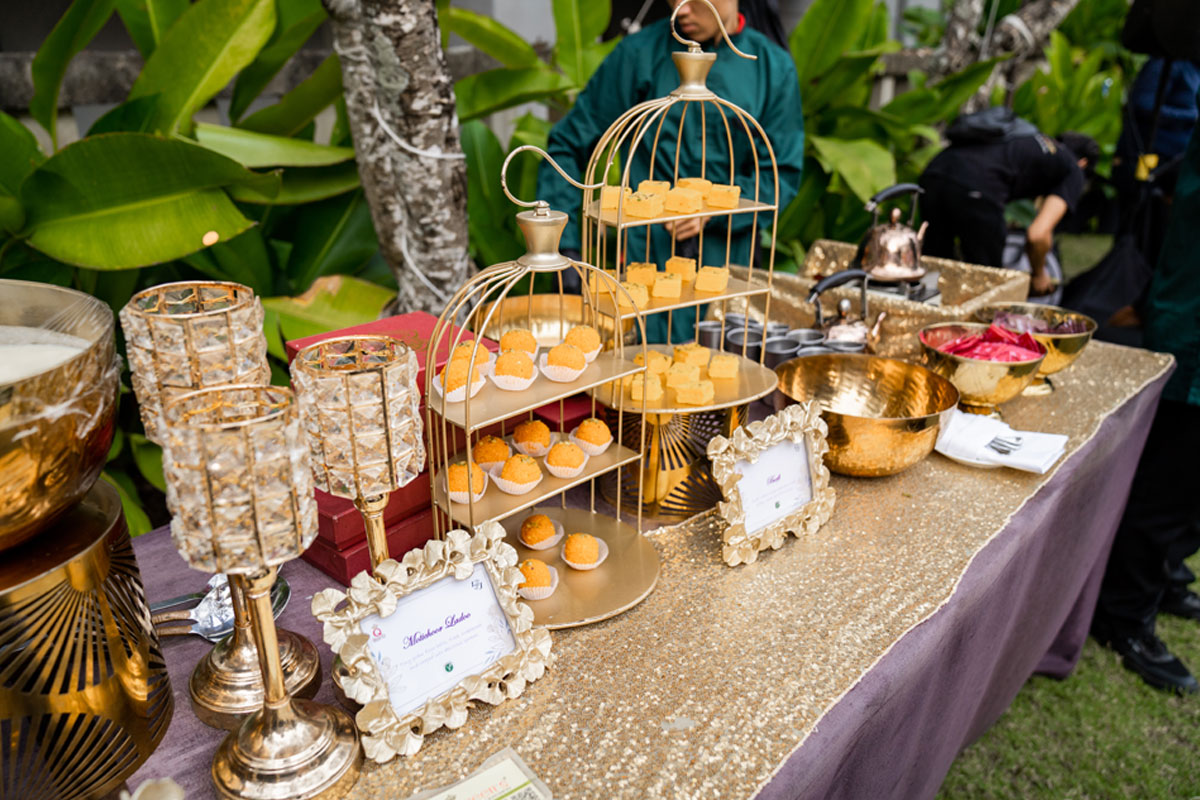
column 1061, row 348
column 548, row 316
column 883, row 415
column 55, row 427
column 982, row 385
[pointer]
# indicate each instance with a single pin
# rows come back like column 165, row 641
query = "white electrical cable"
column 395, row 137
column 1019, row 25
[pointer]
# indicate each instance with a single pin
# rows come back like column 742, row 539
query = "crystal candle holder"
column 361, row 410
column 189, row 335
column 186, row 336
column 240, row 488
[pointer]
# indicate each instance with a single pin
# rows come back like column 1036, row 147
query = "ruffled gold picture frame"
column 801, row 424
column 384, row 733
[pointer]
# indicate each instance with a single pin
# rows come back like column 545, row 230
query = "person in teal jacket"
column 639, row 69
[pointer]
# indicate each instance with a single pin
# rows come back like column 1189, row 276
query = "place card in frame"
column 427, row 635
column 773, row 476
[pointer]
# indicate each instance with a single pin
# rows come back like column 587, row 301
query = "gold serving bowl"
column 982, row 385
column 547, row 316
column 56, row 426
column 883, row 415
column 1061, row 348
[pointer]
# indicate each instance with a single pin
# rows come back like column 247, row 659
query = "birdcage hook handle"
column 695, row 46
column 552, row 162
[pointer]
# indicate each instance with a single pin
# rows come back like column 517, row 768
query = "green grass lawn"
column 1101, row 734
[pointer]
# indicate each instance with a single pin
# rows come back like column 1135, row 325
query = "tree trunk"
column 392, row 61
column 960, row 42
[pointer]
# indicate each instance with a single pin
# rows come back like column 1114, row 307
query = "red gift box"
column 339, row 523
column 342, row 564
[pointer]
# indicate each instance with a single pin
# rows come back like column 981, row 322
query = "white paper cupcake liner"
column 488, row 466
column 585, row 567
column 590, row 357
column 465, row 497
column 509, row 383
column 541, row 592
column 568, row 472
column 460, row 394
column 546, row 545
column 532, row 448
column 560, row 374
column 512, row 487
column 588, row 447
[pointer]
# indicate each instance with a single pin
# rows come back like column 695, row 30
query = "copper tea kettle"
column 891, row 252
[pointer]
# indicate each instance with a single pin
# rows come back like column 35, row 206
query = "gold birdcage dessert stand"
column 181, row 337
column 677, row 480
column 491, row 302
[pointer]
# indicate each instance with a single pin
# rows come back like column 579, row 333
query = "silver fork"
column 1005, row 445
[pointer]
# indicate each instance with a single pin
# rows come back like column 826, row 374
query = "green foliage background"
column 128, row 205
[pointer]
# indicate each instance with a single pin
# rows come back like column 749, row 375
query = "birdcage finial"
column 542, row 226
column 694, row 47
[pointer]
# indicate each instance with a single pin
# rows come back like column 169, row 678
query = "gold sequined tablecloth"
column 704, row 689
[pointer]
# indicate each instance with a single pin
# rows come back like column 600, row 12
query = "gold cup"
column 883, row 414
column 1061, row 348
column 982, row 385
column 181, row 337
column 240, row 489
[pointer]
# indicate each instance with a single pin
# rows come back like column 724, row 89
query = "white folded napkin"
column 966, row 436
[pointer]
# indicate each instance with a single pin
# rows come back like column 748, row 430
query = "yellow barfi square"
column 646, row 387
column 667, row 286
column 643, row 205
column 641, row 272
column 634, row 292
column 682, row 373
column 695, row 393
column 656, row 363
column 655, row 187
column 712, row 279
column 723, row 195
column 692, row 353
column 685, row 268
column 701, row 185
column 610, row 195
column 598, row 283
column 683, row 201
column 723, row 366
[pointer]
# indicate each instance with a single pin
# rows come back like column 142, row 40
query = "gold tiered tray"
column 688, row 297
column 752, row 382
column 609, row 216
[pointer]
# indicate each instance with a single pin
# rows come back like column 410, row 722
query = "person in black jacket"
column 995, row 157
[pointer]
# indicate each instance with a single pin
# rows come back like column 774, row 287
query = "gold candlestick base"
column 226, row 686
column 300, row 750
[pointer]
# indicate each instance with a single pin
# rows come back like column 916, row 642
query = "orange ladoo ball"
column 581, row 548
column 536, row 574
column 454, row 374
column 515, row 364
column 519, row 339
column 566, row 455
column 490, row 449
column 537, row 529
column 457, row 478
column 521, row 469
column 584, row 337
column 464, row 350
column 594, row 431
column 533, row 431
column 566, row 355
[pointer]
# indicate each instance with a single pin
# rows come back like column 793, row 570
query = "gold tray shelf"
column 625, row 578
column 496, row 505
column 496, row 405
column 753, row 381
column 738, row 287
column 608, row 216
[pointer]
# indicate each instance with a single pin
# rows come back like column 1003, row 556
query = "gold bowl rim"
column 954, row 394
column 1023, row 307
column 973, row 326
column 100, row 339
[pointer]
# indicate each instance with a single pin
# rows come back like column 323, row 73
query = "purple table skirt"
column 1023, row 606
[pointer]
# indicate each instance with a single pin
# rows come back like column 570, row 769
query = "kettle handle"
column 835, row 280
column 890, row 192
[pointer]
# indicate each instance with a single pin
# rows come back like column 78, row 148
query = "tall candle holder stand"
column 241, row 494
column 181, row 337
